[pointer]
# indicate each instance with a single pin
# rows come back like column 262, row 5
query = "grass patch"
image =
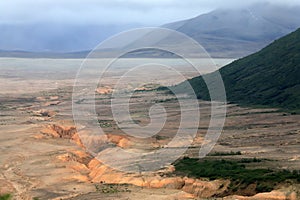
column 250, row 160
column 231, row 153
column 105, row 123
column 165, row 100
column 111, row 188
column 5, row 197
column 160, row 137
column 236, row 171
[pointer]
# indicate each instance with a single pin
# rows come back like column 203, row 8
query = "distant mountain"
column 54, row 37
column 270, row 77
column 230, row 33
column 239, row 32
column 27, row 54
column 107, row 53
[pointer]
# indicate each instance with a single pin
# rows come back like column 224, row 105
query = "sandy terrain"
column 41, row 160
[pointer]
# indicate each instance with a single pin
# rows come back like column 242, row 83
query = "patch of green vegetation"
column 105, row 123
column 268, row 78
column 111, row 188
column 160, row 137
column 231, row 153
column 250, row 160
column 148, row 87
column 2, row 107
column 80, row 101
column 236, row 171
column 165, row 100
column 5, row 197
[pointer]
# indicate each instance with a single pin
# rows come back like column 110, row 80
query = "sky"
column 143, row 12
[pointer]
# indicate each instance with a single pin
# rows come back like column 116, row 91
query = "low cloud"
column 144, row 12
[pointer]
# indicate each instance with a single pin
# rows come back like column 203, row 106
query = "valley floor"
column 42, row 156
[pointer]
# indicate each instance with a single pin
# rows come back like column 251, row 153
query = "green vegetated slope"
column 265, row 180
column 270, row 77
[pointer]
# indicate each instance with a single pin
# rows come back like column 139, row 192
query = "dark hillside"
column 270, row 77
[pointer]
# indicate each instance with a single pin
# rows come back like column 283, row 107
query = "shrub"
column 265, row 179
column 5, row 197
column 231, row 153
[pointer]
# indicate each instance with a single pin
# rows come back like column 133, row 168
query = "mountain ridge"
column 238, row 32
column 224, row 33
column 269, row 77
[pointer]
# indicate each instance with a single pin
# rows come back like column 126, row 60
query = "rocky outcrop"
column 205, row 189
column 98, row 172
column 52, row 103
column 6, row 187
column 58, row 131
column 45, row 113
column 52, row 98
column 48, row 100
column 104, row 90
column 96, row 143
column 40, row 99
column 45, row 98
column 93, row 170
column 274, row 195
column 77, row 156
column 119, row 140
column 101, row 173
column 42, row 115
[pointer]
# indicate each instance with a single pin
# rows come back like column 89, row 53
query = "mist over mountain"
column 53, row 37
column 239, row 32
column 227, row 32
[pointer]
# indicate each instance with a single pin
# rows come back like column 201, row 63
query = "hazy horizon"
column 71, row 26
